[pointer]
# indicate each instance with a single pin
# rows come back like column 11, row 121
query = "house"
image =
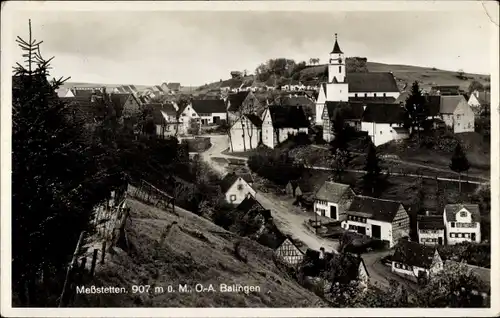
column 479, row 101
column 384, row 123
column 244, row 102
column 342, row 85
column 64, row 92
column 453, row 110
column 165, row 119
column 210, row 111
column 231, row 85
column 278, row 122
column 237, row 187
column 304, row 101
column 401, row 100
column 445, row 90
column 416, row 261
column 292, row 85
column 351, row 112
column 126, row 105
column 245, row 133
column 430, row 230
column 289, row 253
column 173, row 87
column 384, row 220
column 294, row 188
column 463, row 223
column 333, row 199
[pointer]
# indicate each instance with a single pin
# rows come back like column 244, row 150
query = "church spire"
column 336, row 47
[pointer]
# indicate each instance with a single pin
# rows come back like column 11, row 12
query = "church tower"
column 337, row 88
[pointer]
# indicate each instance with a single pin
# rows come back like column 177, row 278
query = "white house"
column 165, row 119
column 278, row 122
column 332, row 200
column 457, row 114
column 210, row 111
column 383, row 123
column 415, row 261
column 293, row 85
column 463, row 223
column 237, row 187
column 289, row 253
column 430, row 230
column 64, row 92
column 245, row 133
column 341, row 86
column 479, row 101
column 385, row 220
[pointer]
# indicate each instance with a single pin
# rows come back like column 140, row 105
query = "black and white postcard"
column 250, row 158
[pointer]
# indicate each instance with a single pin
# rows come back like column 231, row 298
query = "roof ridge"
column 368, row 197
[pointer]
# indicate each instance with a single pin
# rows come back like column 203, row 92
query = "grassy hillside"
column 195, row 251
column 426, row 76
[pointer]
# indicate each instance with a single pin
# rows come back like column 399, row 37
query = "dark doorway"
column 440, row 240
column 333, row 212
column 376, row 231
column 473, row 237
column 216, row 120
column 362, row 230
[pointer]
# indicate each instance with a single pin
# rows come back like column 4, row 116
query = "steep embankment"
column 194, row 251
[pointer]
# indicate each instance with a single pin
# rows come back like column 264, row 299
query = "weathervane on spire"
column 335, row 36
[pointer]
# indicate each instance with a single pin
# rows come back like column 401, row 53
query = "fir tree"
column 459, row 163
column 341, row 156
column 416, row 108
column 53, row 177
column 372, row 168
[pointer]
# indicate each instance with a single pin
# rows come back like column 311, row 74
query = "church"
column 371, row 87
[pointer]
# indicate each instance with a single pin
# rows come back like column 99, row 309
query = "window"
column 374, row 94
column 356, row 95
column 463, row 214
column 452, row 234
column 452, row 224
column 240, row 187
column 384, row 94
column 366, row 95
column 381, row 132
column 396, row 264
column 232, row 198
column 340, row 69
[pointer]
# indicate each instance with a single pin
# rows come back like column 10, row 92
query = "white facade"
column 244, row 135
column 272, row 137
column 239, row 191
column 212, row 118
column 431, row 237
column 463, row 229
column 462, row 119
column 353, row 224
column 325, row 208
column 186, row 117
column 381, row 133
column 412, row 272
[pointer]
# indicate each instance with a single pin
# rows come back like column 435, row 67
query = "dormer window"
column 463, row 214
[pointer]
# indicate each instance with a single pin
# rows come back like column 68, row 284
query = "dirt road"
column 288, row 219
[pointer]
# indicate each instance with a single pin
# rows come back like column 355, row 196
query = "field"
column 194, row 251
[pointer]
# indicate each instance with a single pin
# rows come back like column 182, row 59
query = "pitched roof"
column 447, row 89
column 430, row 222
column 231, row 178
column 209, row 106
column 376, row 209
column 288, row 117
column 383, row 113
column 248, row 204
column 414, row 254
column 83, row 93
column 336, row 47
column 174, row 86
column 298, row 101
column 236, row 100
column 254, row 119
column 449, row 103
column 402, row 98
column 451, row 211
column 371, row 82
column 84, row 109
column 331, row 191
column 372, row 100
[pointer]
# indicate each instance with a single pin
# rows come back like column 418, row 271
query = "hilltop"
column 194, row 251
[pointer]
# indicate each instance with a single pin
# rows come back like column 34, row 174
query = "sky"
column 198, row 47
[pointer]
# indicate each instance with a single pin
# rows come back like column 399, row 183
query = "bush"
column 473, row 254
column 275, row 166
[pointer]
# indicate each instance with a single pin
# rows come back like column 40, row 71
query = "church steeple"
column 336, row 47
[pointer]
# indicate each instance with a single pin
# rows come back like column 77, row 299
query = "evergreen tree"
column 372, row 177
column 459, row 163
column 341, row 156
column 416, row 108
column 53, row 177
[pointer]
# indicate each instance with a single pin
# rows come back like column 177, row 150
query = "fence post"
column 69, row 272
column 94, row 259
column 103, row 253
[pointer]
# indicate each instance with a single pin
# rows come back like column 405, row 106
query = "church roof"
column 376, row 82
column 336, row 47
